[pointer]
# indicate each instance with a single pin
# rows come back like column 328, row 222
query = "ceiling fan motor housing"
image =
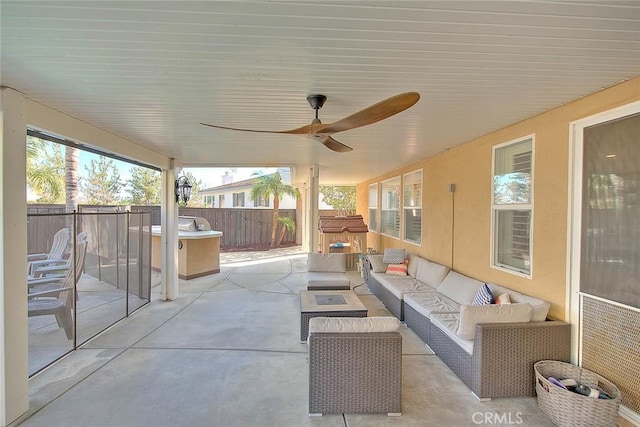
column 316, row 101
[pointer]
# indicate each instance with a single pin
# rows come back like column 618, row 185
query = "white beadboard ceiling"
column 151, row 71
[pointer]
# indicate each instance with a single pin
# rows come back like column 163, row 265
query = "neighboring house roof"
column 232, row 185
column 285, row 173
column 340, row 224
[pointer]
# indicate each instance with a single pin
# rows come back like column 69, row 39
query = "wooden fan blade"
column 374, row 113
column 304, row 130
column 331, row 143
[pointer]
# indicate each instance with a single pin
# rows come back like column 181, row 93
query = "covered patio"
column 228, row 353
column 535, row 83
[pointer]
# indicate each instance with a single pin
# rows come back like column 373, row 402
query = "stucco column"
column 314, row 196
column 169, row 239
column 14, row 354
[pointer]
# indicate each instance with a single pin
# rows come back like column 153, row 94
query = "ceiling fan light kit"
column 322, row 132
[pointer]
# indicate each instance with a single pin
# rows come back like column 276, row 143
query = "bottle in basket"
column 591, row 392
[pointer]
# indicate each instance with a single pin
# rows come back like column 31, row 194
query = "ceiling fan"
column 322, row 132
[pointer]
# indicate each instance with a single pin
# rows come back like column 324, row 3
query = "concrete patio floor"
column 227, row 353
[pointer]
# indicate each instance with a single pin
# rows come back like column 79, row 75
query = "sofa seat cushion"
column 353, row 324
column 460, row 288
column 426, row 303
column 319, row 279
column 328, row 263
column 399, row 285
column 472, row 315
column 430, row 273
column 540, row 307
column 449, row 323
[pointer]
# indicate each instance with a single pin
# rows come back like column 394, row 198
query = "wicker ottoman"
column 359, row 371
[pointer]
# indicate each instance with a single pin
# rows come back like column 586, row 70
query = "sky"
column 209, row 177
column 212, row 177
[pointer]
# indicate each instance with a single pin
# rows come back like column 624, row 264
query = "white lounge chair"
column 57, row 300
column 58, row 247
column 56, row 267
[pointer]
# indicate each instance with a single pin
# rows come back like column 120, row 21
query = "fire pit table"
column 328, row 304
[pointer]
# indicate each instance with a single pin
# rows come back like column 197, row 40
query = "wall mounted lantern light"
column 183, row 191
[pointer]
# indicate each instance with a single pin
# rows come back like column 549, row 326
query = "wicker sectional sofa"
column 327, row 272
column 491, row 348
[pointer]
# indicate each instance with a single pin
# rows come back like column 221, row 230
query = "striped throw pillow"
column 484, row 296
column 397, row 269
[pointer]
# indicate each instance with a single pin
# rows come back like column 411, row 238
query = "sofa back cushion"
column 353, row 324
column 376, row 263
column 472, row 315
column 330, row 263
column 460, row 288
column 412, row 268
column 429, row 272
column 540, row 307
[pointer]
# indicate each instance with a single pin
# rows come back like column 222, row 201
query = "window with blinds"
column 412, row 206
column 373, row 207
column 261, row 201
column 512, row 207
column 238, row 200
column 390, row 207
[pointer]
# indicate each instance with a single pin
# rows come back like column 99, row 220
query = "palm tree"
column 71, row 161
column 266, row 186
column 287, row 225
column 45, row 168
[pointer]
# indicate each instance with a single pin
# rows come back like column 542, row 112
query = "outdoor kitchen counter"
column 198, row 252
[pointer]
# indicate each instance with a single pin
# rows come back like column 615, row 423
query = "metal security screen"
column 610, row 250
column 610, row 254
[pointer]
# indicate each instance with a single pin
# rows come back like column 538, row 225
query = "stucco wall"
column 468, row 166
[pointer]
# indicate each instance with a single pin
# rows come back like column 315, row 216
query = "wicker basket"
column 566, row 408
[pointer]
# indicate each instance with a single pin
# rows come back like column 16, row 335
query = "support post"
column 14, row 353
column 314, row 196
column 169, row 239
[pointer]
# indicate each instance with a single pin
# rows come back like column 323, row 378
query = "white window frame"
column 399, row 205
column 417, row 205
column 495, row 208
column 376, row 188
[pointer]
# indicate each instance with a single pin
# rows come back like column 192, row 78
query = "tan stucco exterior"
column 468, row 166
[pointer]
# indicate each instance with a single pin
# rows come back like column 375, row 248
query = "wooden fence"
column 240, row 227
